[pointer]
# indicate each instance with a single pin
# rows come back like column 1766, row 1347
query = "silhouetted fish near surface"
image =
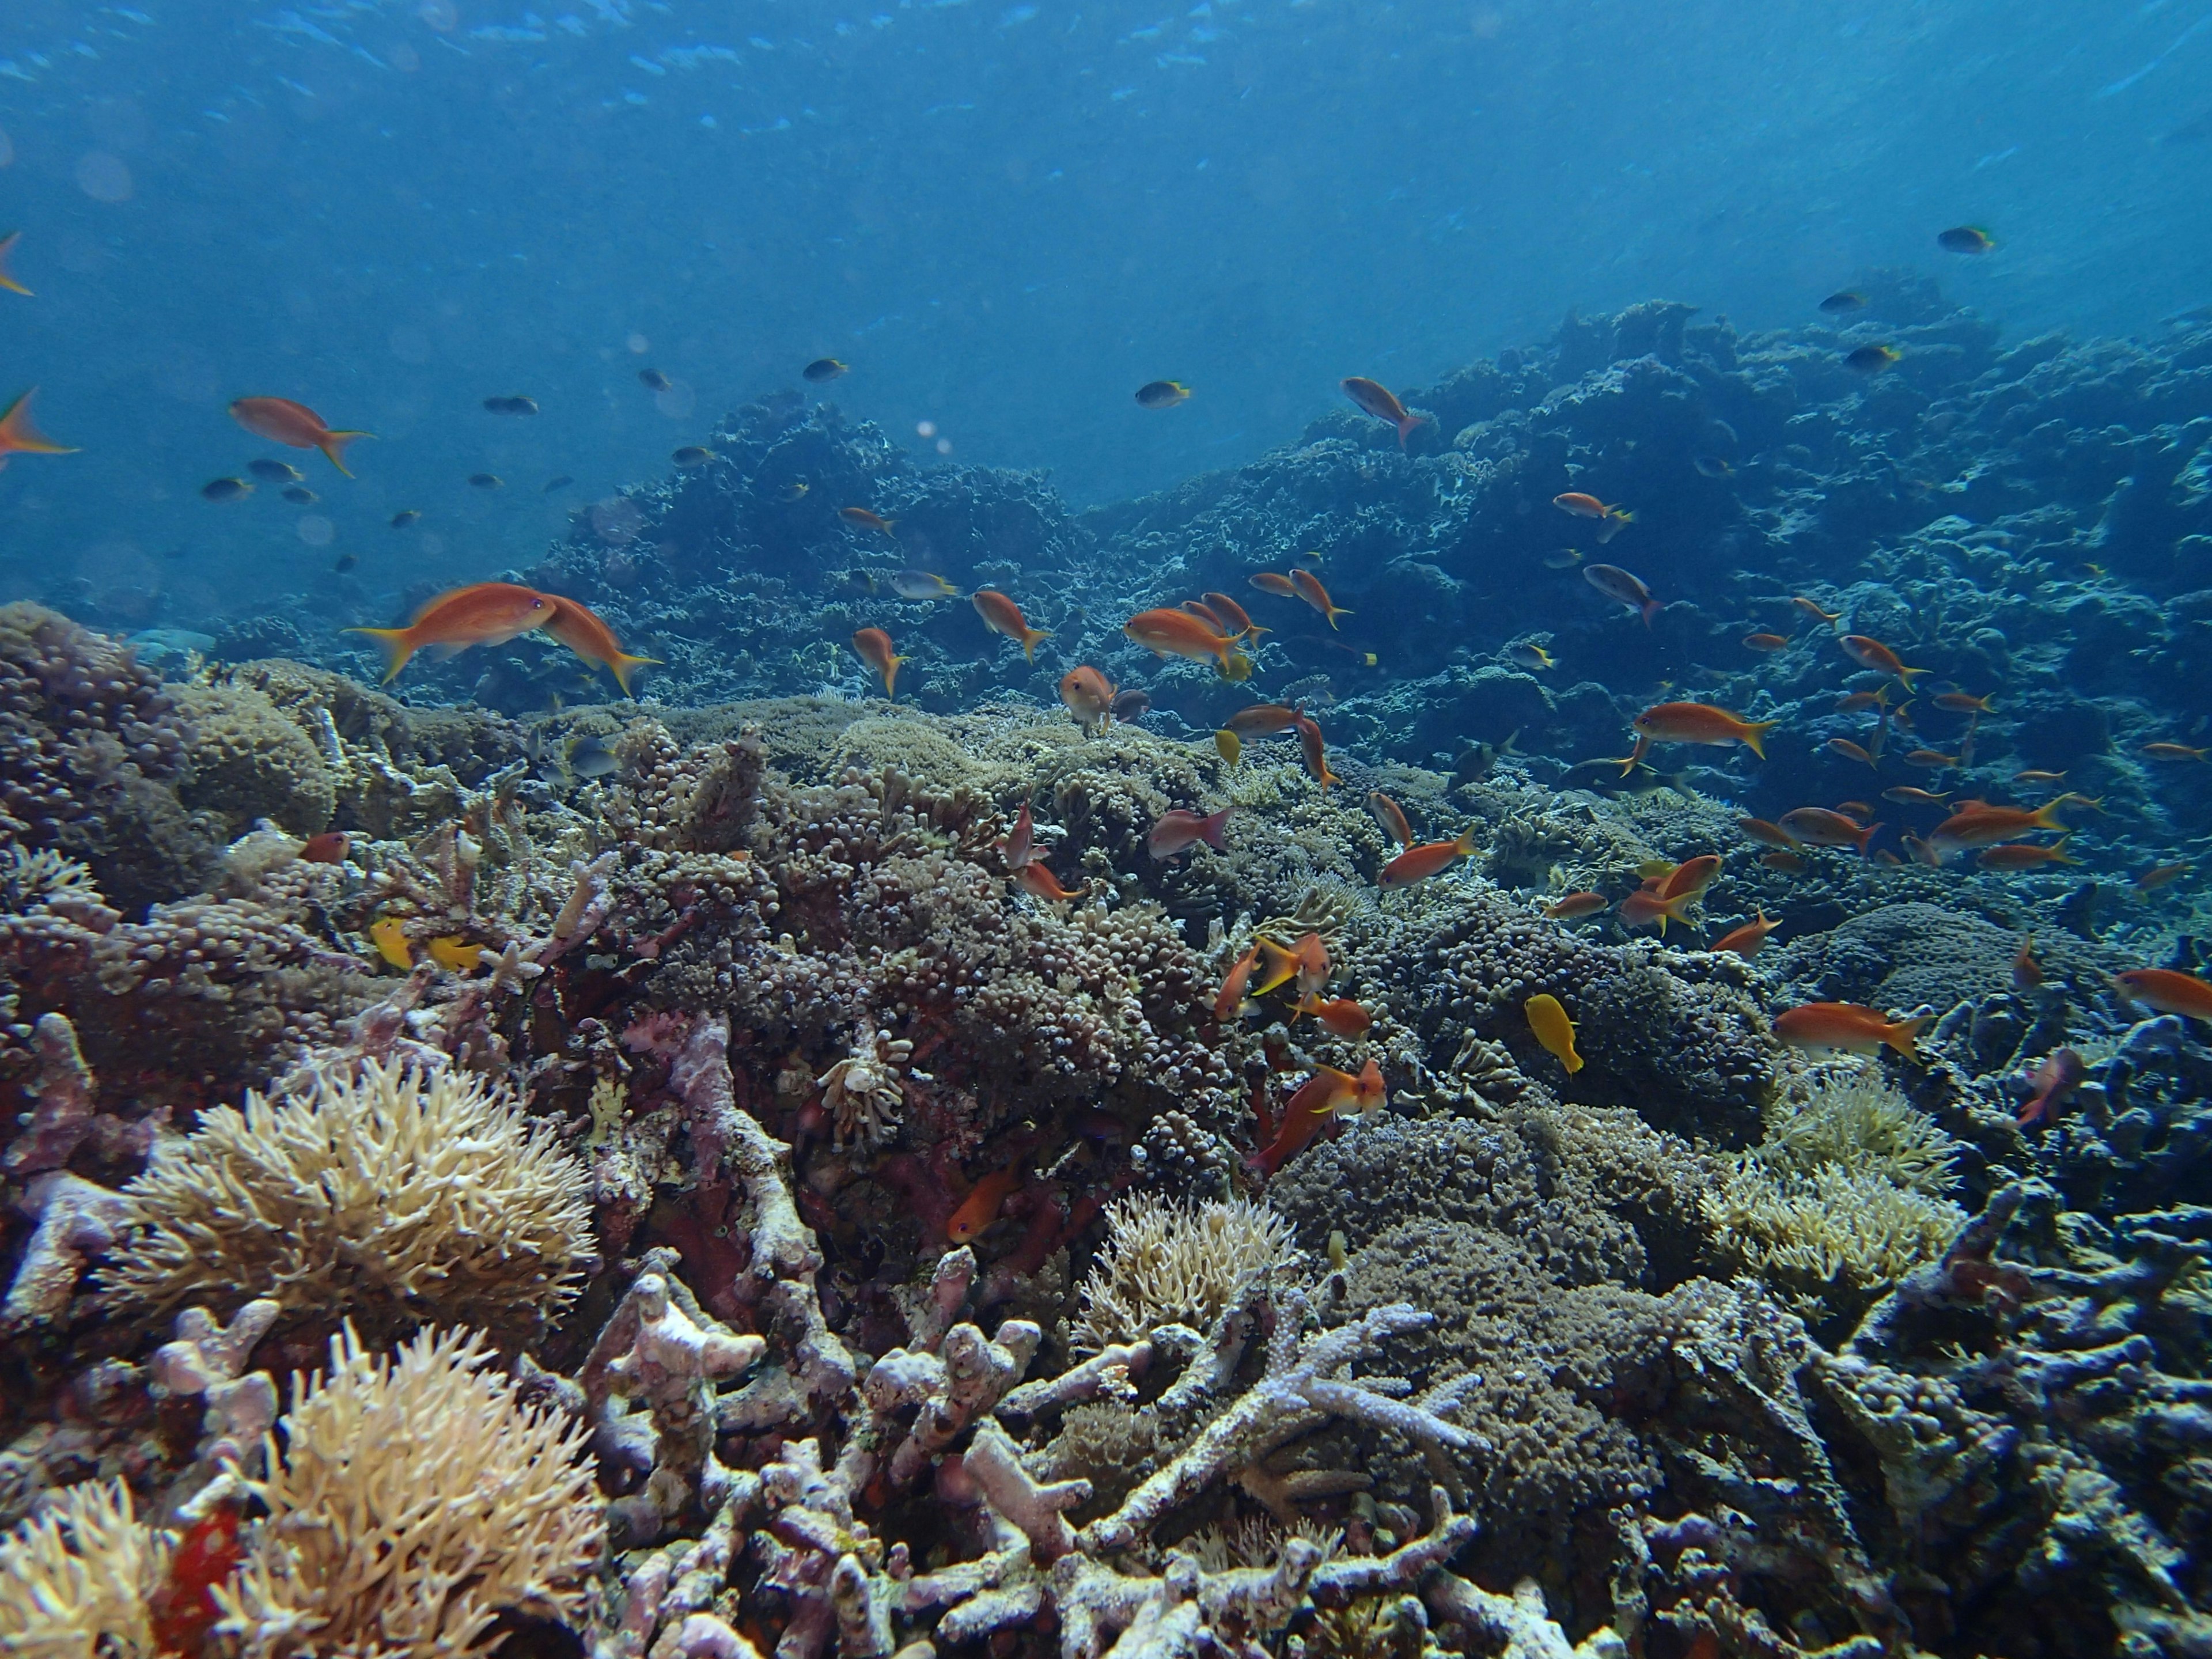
column 1712, row 466
column 405, row 517
column 693, row 455
column 271, row 471
column 1872, row 358
column 487, row 480
column 512, row 405
column 1965, row 239
column 226, row 489
column 1161, row 394
column 300, row 495
column 1849, row 299
column 825, row 368
column 559, row 481
column 653, row 381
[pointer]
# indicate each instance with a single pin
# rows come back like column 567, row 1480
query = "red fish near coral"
column 1872, row 653
column 1700, row 722
column 876, row 650
column 1002, row 616
column 2058, row 1076
column 1168, row 633
column 483, row 613
column 1321, row 1096
column 1038, row 881
column 585, row 632
column 1316, row 754
column 283, row 421
column 1019, row 845
column 1431, row 858
column 1340, row 1017
column 1849, row 1027
column 1089, row 696
column 1262, row 719
column 1379, row 401
column 2168, row 990
column 1816, row 826
column 980, row 1208
column 1178, row 831
column 1312, row 591
column 1744, row 941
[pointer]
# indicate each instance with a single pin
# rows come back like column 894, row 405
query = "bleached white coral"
column 77, row 1579
column 415, row 1500
column 864, row 1091
column 387, row 1194
column 1860, row 1120
column 1164, row 1262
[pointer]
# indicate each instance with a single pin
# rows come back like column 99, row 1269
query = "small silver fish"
column 922, row 585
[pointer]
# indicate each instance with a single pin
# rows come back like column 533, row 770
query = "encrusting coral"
column 414, row 1502
column 388, row 1194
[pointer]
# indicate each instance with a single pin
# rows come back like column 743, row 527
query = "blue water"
column 1004, row 217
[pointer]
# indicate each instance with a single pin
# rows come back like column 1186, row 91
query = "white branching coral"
column 389, row 1195
column 1169, row 1263
column 1843, row 1197
column 77, row 1580
column 415, row 1502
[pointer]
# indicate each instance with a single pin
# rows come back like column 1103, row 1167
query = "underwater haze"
column 1005, row 217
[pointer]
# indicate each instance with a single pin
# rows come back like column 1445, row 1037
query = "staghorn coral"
column 1164, row 1263
column 385, row 1192
column 413, row 1503
column 78, row 1580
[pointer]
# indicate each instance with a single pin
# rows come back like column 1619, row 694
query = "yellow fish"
column 1549, row 1019
column 389, row 936
column 1228, row 745
column 457, row 953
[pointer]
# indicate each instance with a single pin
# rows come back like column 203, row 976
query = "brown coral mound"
column 389, row 1195
column 415, row 1503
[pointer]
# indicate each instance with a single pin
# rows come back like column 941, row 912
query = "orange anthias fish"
column 867, row 520
column 1038, row 881
column 1575, row 906
column 980, row 1208
column 1979, row 825
column 1851, row 752
column 1312, row 591
column 1019, row 844
column 1961, row 703
column 1872, row 653
column 19, row 437
column 2024, row 855
column 1642, row 908
column 1279, row 965
column 1314, row 753
column 283, row 421
column 2162, row 875
column 1576, row 504
column 1310, row 953
column 1089, row 696
column 1700, row 722
column 1818, row 827
column 1831, row 617
column 7, row 246
column 1340, row 1017
column 1690, row 878
column 1167, row 633
column 2026, row 968
column 1848, row 1027
column 1262, row 719
column 1002, row 616
column 483, row 613
column 1270, row 581
column 1744, row 941
column 1431, row 859
column 585, row 632
column 1767, row 643
column 1234, row 984
column 1207, row 614
column 1771, row 835
column 1391, row 817
column 1234, row 614
column 2168, row 990
column 1378, row 401
column 1178, row 831
column 1322, row 1096
column 2175, row 751
column 875, row 648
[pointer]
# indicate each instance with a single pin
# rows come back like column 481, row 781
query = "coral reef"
column 748, row 1212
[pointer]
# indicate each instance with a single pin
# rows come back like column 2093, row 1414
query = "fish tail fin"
column 1648, row 609
column 1334, row 611
column 18, row 435
column 397, row 644
column 1030, row 638
column 1865, row 835
column 1620, row 516
column 2059, row 852
column 1755, row 736
column 1904, row 1035
column 1465, row 845
column 1908, row 674
column 7, row 246
column 1215, row 826
column 334, row 446
column 622, row 665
